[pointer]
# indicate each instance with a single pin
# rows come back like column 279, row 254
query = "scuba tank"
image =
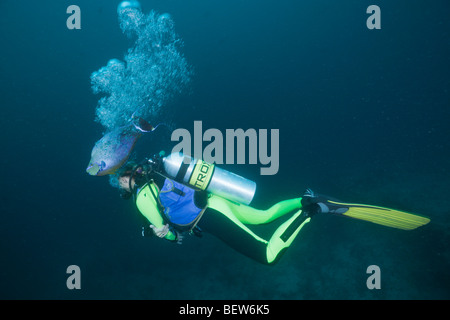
column 206, row 176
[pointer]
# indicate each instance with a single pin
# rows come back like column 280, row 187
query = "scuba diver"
column 178, row 194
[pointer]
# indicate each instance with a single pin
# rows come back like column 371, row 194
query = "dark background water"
column 363, row 116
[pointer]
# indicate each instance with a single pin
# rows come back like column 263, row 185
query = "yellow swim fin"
column 379, row 215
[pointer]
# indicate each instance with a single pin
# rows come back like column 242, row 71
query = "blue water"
column 363, row 116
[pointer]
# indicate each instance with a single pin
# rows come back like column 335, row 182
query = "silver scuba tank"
column 206, row 176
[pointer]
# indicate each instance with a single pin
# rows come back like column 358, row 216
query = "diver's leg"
column 224, row 220
column 235, row 234
column 249, row 215
column 285, row 235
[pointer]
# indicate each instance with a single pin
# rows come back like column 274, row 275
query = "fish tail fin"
column 160, row 124
column 141, row 124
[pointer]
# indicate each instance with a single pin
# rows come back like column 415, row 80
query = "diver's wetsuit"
column 228, row 220
column 184, row 209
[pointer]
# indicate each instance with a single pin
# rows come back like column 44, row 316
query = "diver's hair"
column 114, row 181
column 126, row 169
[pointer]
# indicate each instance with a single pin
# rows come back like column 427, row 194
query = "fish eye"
column 102, row 164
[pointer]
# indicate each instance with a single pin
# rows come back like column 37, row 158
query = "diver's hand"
column 160, row 232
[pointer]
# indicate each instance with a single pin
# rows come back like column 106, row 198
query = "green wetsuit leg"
column 226, row 220
column 249, row 215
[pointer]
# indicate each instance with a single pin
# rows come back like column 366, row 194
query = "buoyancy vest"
column 173, row 204
column 179, row 209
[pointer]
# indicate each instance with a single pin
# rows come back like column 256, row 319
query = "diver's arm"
column 160, row 232
column 157, row 224
column 147, row 205
column 163, row 232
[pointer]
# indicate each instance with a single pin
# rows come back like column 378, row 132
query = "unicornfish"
column 114, row 148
